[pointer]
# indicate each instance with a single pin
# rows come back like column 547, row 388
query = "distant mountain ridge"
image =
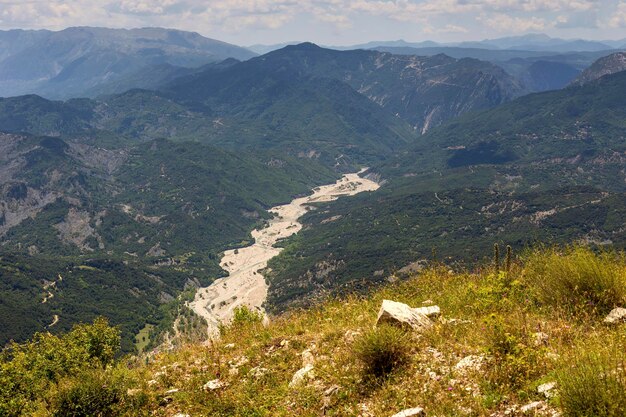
column 425, row 91
column 70, row 62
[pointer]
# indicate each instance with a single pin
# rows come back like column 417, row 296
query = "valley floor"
column 245, row 284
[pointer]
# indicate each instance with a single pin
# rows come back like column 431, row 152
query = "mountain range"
column 71, row 62
column 545, row 167
column 136, row 191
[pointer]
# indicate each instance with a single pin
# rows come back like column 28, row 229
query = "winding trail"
column 245, row 285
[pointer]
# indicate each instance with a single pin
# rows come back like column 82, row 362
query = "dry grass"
column 493, row 316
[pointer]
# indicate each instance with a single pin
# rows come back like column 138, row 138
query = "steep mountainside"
column 425, row 91
column 536, row 71
column 603, row 66
column 546, row 167
column 72, row 62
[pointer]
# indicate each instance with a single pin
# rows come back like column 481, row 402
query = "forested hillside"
column 544, row 168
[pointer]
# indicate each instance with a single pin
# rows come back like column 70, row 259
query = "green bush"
column 90, row 393
column 28, row 371
column 576, row 278
column 512, row 360
column 382, row 350
column 594, row 386
column 244, row 315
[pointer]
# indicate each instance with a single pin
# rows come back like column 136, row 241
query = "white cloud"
column 241, row 18
column 505, row 23
column 618, row 20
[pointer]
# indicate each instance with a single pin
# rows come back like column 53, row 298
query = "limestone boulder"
column 617, row 315
column 402, row 315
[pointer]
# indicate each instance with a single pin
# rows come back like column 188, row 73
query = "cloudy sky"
column 331, row 22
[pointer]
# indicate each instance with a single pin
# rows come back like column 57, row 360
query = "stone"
column 411, row 412
column 171, row 391
column 258, row 372
column 547, row 389
column 213, row 385
column 470, row 363
column 533, row 407
column 181, row 415
column 308, row 358
column 429, row 311
column 617, row 315
column 540, row 339
column 400, row 314
column 301, row 375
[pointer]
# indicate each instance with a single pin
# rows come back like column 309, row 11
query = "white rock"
column 429, row 311
column 617, row 315
column 411, row 412
column 172, row 391
column 532, row 407
column 400, row 314
column 470, row 363
column 299, row 376
column 181, row 415
column 547, row 389
column 258, row 372
column 213, row 385
column 540, row 339
column 307, row 358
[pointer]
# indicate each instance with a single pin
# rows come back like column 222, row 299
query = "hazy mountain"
column 539, row 42
column 535, row 70
column 604, row 66
column 546, row 167
column 73, row 61
column 425, row 91
column 264, row 49
column 531, row 42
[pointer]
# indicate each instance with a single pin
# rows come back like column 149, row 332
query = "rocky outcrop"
column 604, row 66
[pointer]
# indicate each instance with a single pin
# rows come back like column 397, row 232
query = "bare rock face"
column 617, row 315
column 400, row 314
column 607, row 65
column 411, row 412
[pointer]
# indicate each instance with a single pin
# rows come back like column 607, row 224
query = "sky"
column 331, row 22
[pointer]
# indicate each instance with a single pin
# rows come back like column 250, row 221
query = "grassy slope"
column 497, row 317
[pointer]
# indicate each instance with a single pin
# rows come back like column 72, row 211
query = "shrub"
column 93, row 392
column 382, row 350
column 513, row 361
column 595, row 385
column 244, row 315
column 576, row 278
column 27, row 371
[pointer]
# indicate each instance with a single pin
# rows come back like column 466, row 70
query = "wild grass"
column 593, row 381
column 577, row 279
column 494, row 316
column 383, row 349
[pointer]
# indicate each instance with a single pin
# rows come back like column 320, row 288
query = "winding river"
column 245, row 285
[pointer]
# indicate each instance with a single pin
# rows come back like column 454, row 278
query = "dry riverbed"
column 245, row 285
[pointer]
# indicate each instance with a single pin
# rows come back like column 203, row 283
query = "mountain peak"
column 304, row 46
